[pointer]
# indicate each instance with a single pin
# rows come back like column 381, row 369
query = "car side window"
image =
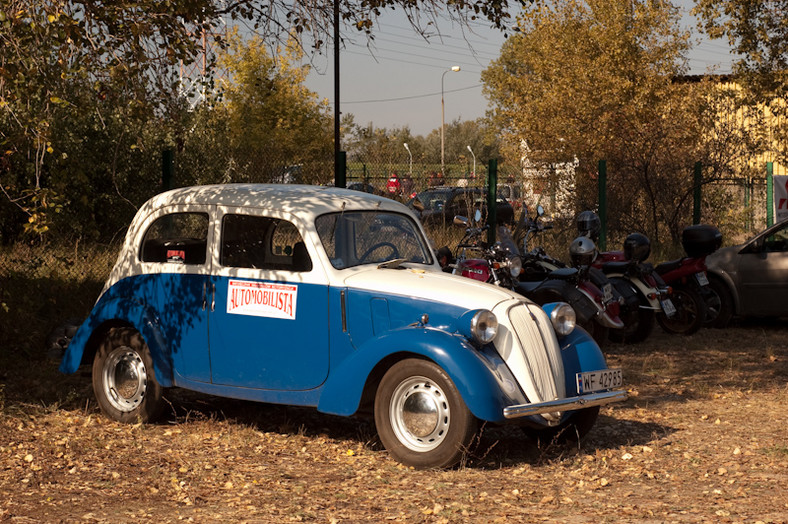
column 176, row 238
column 257, row 242
column 778, row 241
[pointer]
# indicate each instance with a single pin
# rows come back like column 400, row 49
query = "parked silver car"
column 751, row 279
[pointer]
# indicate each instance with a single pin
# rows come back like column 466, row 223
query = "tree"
column 276, row 128
column 757, row 31
column 597, row 79
column 55, row 54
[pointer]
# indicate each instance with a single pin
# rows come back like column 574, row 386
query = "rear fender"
column 561, row 291
column 114, row 312
column 481, row 376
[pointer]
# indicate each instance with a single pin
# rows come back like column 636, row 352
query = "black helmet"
column 637, row 247
column 589, row 225
column 582, row 251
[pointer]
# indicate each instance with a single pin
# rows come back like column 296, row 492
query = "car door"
column 173, row 279
column 269, row 305
column 763, row 274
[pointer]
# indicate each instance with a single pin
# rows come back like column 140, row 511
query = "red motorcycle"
column 536, row 276
column 692, row 294
column 645, row 295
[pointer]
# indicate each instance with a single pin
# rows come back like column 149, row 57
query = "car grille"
column 541, row 353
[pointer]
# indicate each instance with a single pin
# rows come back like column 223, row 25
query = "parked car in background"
column 513, row 194
column 439, row 205
column 330, row 298
column 751, row 279
column 365, row 188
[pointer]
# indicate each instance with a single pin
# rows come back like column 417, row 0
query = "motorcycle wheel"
column 597, row 331
column 638, row 325
column 719, row 304
column 690, row 312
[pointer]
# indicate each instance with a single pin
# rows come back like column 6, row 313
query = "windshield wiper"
column 392, row 264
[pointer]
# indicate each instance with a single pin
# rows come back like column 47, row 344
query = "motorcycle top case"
column 701, row 240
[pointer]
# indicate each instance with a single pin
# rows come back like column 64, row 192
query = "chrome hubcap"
column 124, row 379
column 419, row 414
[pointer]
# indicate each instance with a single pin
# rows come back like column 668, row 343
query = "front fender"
column 121, row 311
column 579, row 353
column 480, row 376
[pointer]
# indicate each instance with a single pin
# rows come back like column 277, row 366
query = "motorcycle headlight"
column 484, row 326
column 563, row 318
column 515, row 266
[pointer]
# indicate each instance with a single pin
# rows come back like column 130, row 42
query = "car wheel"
column 719, row 309
column 123, row 379
column 638, row 325
column 690, row 312
column 420, row 416
column 573, row 429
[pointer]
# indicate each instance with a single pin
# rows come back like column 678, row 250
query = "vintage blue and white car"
column 325, row 297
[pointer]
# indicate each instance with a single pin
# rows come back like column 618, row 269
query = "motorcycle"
column 694, row 298
column 646, row 296
column 538, row 276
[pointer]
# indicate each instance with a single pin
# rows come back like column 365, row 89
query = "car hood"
column 430, row 285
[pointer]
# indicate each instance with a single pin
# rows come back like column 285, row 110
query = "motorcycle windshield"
column 506, row 240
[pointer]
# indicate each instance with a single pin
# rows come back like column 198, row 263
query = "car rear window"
column 176, row 238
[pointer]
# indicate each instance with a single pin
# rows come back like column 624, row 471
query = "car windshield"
column 354, row 238
column 433, row 200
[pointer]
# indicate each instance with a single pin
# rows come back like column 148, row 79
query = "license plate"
column 702, row 279
column 667, row 307
column 592, row 381
column 607, row 289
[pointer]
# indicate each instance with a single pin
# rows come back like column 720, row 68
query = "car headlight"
column 515, row 264
column 484, row 326
column 563, row 318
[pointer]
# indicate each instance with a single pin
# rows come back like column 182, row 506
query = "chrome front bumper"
column 565, row 404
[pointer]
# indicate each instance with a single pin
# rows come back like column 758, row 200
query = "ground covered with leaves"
column 702, row 438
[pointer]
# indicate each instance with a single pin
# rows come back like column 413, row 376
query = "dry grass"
column 702, row 438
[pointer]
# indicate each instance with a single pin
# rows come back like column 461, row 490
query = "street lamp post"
column 453, row 68
column 473, row 173
column 410, row 167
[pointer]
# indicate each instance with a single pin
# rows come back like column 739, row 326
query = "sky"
column 397, row 81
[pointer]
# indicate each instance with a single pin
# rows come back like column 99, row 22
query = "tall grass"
column 43, row 286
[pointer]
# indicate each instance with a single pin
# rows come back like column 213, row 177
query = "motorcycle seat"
column 563, row 273
column 667, row 267
column 615, row 267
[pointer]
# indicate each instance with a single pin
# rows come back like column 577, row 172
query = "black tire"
column 420, row 416
column 123, row 378
column 572, row 430
column 638, row 325
column 719, row 304
column 690, row 312
column 597, row 331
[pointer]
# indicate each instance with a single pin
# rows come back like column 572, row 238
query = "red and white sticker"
column 262, row 299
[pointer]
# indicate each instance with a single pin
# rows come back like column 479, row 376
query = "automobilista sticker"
column 262, row 299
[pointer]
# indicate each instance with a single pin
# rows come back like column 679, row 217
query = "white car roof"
column 300, row 200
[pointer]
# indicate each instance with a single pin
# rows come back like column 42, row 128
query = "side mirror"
column 461, row 221
column 539, row 210
column 418, row 205
column 477, row 216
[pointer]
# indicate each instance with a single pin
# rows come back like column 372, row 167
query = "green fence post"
column 167, row 169
column 696, row 179
column 769, row 194
column 340, row 177
column 492, row 193
column 603, row 205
